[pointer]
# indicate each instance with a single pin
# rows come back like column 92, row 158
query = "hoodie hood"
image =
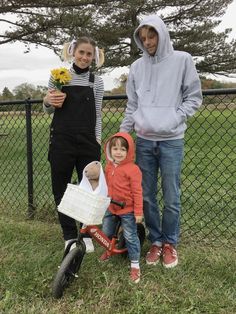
column 101, row 189
column 164, row 48
column 130, row 154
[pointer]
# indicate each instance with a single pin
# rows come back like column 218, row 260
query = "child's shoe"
column 89, row 245
column 170, row 257
column 104, row 257
column 135, row 275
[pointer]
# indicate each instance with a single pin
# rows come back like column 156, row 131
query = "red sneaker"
column 153, row 256
column 104, row 257
column 170, row 257
column 135, row 275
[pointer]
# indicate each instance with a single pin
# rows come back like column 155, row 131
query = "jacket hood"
column 164, row 48
column 131, row 151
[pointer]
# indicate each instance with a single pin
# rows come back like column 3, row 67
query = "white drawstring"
column 96, row 55
column 70, row 49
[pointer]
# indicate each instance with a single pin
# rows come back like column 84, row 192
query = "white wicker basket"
column 83, row 206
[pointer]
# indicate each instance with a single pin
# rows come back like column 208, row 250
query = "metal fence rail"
column 209, row 170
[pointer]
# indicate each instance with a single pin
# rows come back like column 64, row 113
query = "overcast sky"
column 16, row 67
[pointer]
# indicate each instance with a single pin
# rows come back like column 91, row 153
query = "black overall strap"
column 91, row 77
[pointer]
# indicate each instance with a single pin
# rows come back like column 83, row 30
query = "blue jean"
column 166, row 156
column 129, row 227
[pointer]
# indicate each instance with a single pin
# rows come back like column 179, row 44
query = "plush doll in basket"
column 94, row 179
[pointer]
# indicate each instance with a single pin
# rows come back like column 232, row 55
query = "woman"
column 75, row 134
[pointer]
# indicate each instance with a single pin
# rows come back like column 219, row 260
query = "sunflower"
column 60, row 77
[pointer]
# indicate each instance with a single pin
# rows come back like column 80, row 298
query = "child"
column 124, row 185
column 75, row 134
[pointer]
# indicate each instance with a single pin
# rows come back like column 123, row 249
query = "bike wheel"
column 67, row 271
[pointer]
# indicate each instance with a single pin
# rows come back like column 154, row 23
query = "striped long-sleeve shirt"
column 98, row 88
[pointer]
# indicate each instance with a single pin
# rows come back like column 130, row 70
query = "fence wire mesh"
column 208, row 176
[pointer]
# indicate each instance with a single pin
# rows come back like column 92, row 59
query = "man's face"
column 149, row 39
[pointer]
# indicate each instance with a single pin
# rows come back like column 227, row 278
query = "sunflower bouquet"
column 60, row 77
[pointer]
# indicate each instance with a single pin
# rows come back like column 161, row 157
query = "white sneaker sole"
column 89, row 245
column 152, row 263
column 135, row 281
column 171, row 265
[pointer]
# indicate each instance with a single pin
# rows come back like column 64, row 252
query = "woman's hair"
column 69, row 49
column 115, row 139
column 84, row 40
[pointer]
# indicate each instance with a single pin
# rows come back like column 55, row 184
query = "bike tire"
column 66, row 273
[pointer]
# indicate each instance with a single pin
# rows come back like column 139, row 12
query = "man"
column 163, row 90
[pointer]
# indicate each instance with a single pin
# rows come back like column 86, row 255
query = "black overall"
column 72, row 144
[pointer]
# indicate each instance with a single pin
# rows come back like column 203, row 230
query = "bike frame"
column 109, row 244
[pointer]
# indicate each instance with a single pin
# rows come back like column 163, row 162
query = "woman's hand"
column 55, row 98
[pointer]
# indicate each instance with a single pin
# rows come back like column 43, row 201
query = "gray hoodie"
column 163, row 90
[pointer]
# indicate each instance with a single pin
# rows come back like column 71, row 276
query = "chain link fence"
column 208, row 177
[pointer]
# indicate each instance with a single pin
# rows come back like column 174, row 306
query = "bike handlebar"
column 121, row 204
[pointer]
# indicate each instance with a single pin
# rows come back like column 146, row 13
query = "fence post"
column 31, row 209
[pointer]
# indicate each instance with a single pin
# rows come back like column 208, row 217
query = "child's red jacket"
column 124, row 180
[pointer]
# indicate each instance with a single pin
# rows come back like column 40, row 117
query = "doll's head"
column 92, row 172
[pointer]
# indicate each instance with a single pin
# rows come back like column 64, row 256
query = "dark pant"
column 64, row 156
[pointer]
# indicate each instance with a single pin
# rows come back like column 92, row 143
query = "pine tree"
column 191, row 23
column 6, row 94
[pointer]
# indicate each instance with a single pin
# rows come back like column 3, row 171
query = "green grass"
column 30, row 251
column 203, row 282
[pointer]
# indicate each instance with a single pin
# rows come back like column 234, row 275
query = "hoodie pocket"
column 159, row 121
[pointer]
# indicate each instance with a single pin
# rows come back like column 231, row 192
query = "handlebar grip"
column 121, row 204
